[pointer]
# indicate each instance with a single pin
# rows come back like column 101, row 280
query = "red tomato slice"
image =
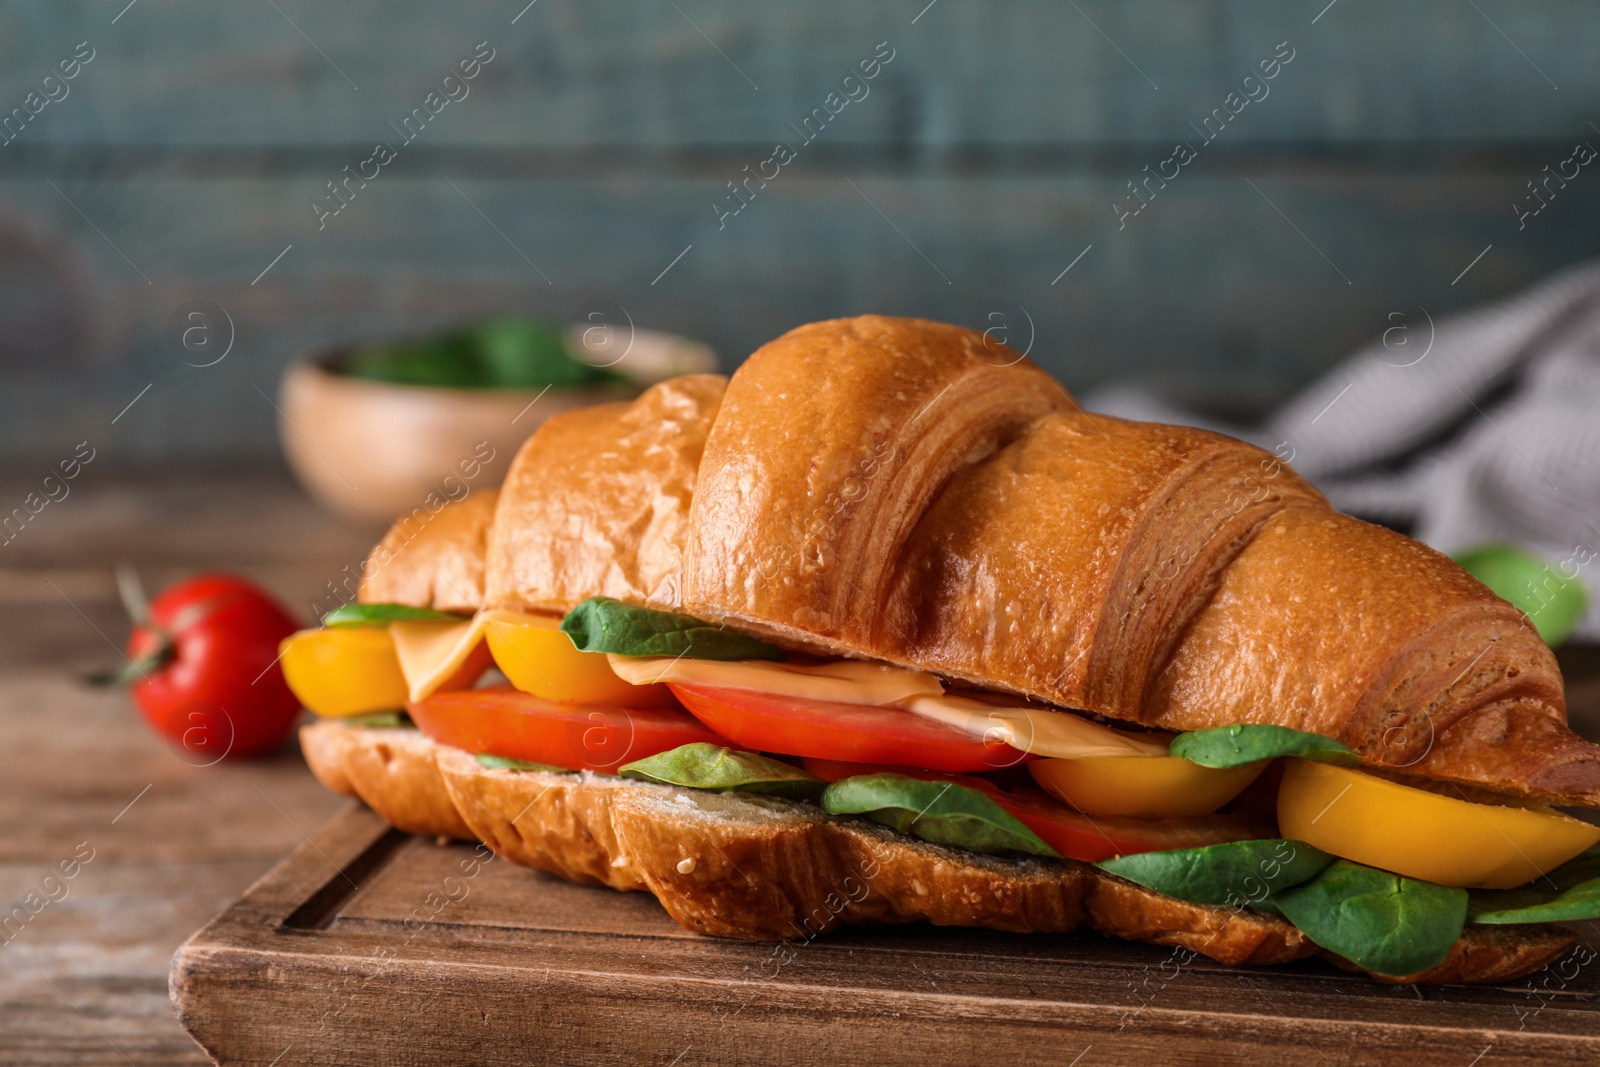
column 1071, row 833
column 504, row 721
column 863, row 733
column 475, row 666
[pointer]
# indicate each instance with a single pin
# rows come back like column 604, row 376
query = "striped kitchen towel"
column 1482, row 427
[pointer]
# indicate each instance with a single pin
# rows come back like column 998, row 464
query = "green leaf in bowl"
column 445, row 361
column 702, row 765
column 518, row 353
column 942, row 812
column 1237, row 745
column 1553, row 603
column 600, row 624
column 508, row 352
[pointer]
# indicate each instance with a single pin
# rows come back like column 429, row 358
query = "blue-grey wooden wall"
column 986, row 157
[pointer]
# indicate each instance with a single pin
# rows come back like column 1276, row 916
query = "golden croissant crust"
column 596, row 502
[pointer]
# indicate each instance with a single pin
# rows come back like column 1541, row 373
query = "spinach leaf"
column 1567, row 894
column 435, row 362
column 518, row 353
column 702, row 765
column 1234, row 746
column 601, row 624
column 506, row 763
column 1382, row 921
column 379, row 720
column 501, row 353
column 1553, row 603
column 1232, row 874
column 942, row 812
column 381, row 614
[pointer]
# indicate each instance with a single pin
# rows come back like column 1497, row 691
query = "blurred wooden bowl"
column 371, row 450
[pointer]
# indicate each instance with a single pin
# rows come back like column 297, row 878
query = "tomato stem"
column 130, row 590
column 136, row 669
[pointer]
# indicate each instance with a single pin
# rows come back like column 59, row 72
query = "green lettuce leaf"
column 1567, row 894
column 942, row 812
column 380, row 614
column 1552, row 602
column 1382, row 921
column 1231, row 875
column 601, row 624
column 1234, row 746
column 506, row 763
column 702, row 765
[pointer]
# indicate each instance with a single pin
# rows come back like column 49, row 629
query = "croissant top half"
column 915, row 492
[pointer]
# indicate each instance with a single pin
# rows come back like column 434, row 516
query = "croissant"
column 915, row 493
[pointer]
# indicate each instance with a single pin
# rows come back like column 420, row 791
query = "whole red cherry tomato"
column 205, row 672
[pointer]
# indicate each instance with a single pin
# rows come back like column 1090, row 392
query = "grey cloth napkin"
column 1489, row 433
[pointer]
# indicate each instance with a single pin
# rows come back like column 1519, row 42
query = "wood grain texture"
column 70, row 760
column 601, row 134
column 481, row 964
column 83, row 981
column 1209, row 280
column 572, row 73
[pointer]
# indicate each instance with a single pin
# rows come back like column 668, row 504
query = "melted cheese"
column 1040, row 731
column 839, row 682
column 431, row 650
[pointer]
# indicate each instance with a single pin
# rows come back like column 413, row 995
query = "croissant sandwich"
column 884, row 628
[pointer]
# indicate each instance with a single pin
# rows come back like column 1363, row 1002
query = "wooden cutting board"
column 369, row 946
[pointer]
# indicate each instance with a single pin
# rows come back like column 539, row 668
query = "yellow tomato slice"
column 1147, row 787
column 536, row 657
column 344, row 670
column 1420, row 834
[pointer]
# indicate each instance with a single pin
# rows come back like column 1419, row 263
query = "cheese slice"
column 432, row 650
column 1039, row 731
column 842, row 681
column 1043, row 732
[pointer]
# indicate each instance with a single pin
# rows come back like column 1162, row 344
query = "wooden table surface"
column 85, row 979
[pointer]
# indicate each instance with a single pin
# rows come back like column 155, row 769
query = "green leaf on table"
column 1552, row 602
column 1567, row 894
column 1378, row 920
column 601, row 624
column 1231, row 874
column 1242, row 743
column 506, row 763
column 381, row 615
column 703, row 765
column 942, row 812
column 380, row 720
